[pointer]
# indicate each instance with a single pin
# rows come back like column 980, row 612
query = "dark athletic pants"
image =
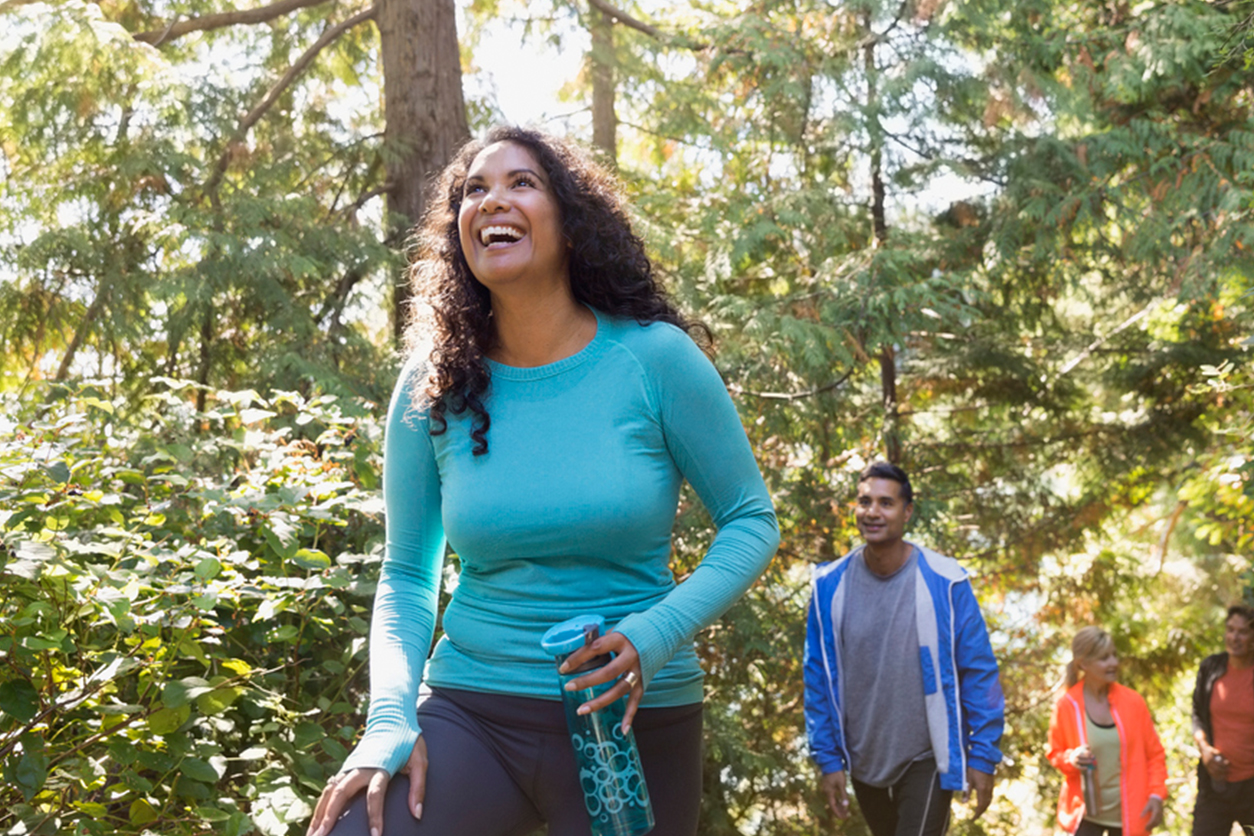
column 503, row 766
column 914, row 806
column 1214, row 813
column 1089, row 828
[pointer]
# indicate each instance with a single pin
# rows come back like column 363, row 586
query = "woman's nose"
column 494, row 201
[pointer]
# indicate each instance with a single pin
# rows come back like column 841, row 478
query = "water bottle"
column 613, row 784
column 1092, row 792
column 1219, row 785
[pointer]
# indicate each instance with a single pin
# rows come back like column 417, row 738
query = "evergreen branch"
column 369, row 195
column 628, row 20
column 178, row 28
column 335, row 301
column 281, row 85
column 795, row 396
column 1096, row 344
column 652, row 31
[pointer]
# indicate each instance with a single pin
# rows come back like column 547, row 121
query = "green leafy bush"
column 183, row 608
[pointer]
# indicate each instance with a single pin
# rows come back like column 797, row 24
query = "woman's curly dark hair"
column 609, row 271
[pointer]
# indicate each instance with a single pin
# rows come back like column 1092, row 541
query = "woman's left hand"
column 1154, row 810
column 624, row 667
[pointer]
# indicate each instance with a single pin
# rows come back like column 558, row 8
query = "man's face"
column 880, row 513
column 1239, row 637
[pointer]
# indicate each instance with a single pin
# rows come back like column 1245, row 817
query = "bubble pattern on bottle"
column 610, row 775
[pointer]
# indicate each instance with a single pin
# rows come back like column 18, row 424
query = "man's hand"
column 982, row 782
column 833, row 786
column 1154, row 811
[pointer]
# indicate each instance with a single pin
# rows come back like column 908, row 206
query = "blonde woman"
column 1102, row 735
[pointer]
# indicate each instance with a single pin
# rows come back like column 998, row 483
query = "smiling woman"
column 1102, row 739
column 547, row 327
column 511, row 235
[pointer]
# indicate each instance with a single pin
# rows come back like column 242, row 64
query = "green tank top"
column 1104, row 743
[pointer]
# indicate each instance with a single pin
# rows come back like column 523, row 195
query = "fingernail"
column 565, row 667
column 374, row 831
column 418, row 810
column 570, row 686
column 583, row 709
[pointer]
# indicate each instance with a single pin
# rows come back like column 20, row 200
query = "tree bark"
column 425, row 111
column 604, row 120
column 879, row 231
column 80, row 333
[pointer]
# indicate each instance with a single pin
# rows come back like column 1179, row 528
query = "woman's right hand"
column 1216, row 764
column 1080, row 756
column 342, row 788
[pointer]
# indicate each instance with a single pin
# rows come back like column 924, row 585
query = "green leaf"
column 217, row 701
column 312, row 559
column 208, row 569
column 168, row 720
column 212, row 813
column 19, row 699
column 307, row 734
column 178, row 693
column 142, row 812
column 32, row 772
column 58, row 471
column 285, row 633
column 198, row 770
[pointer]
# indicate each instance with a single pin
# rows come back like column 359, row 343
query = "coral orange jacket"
column 1142, row 765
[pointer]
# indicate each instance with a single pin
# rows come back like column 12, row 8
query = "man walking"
column 901, row 687
column 1223, row 727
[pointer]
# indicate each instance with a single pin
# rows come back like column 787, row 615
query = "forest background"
column 1005, row 244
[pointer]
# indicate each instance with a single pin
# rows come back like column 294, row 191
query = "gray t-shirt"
column 885, row 716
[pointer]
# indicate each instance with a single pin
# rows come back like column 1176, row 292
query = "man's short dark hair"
column 885, row 470
column 1243, row 610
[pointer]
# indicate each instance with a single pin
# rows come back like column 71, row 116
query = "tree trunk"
column 206, row 355
column 604, row 120
column 80, row 333
column 424, row 108
column 879, row 229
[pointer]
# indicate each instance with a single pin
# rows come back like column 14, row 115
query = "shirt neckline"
column 595, row 346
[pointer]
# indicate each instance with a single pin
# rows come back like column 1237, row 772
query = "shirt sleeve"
column 409, row 583
column 708, row 444
column 983, row 703
column 1155, row 757
column 823, row 729
column 1200, row 698
column 1061, row 741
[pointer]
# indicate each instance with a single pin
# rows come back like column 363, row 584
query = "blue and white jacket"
column 962, row 694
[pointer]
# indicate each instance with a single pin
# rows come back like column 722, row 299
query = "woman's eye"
column 524, row 181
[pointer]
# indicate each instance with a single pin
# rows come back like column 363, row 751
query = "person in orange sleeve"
column 1102, row 739
column 1223, row 727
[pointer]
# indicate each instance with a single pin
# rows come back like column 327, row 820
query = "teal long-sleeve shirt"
column 570, row 511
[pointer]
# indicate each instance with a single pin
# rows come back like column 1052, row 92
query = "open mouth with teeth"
column 490, row 235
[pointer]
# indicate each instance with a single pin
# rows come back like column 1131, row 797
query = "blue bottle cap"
column 568, row 636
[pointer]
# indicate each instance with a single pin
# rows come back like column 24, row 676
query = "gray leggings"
column 504, row 766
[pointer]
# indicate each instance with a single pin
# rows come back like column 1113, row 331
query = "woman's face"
column 1239, row 637
column 510, row 223
column 1102, row 670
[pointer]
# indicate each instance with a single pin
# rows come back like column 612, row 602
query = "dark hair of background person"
column 1243, row 610
column 884, row 470
column 609, row 271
